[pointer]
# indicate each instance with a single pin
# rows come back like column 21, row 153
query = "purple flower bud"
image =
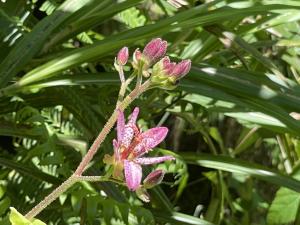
column 182, row 68
column 154, row 178
column 154, row 51
column 122, row 57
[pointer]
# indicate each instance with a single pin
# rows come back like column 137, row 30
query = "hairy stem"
column 89, row 156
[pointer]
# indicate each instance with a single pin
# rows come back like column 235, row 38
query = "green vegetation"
column 233, row 121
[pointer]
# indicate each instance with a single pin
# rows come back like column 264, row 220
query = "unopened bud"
column 182, row 68
column 154, row 51
column 154, row 178
column 137, row 56
column 166, row 74
column 122, row 57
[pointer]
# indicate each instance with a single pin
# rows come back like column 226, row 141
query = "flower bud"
column 122, row 57
column 154, row 178
column 181, row 69
column 165, row 73
column 154, row 51
column 137, row 56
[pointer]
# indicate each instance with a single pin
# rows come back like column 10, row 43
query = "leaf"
column 48, row 7
column 29, row 171
column 17, row 218
column 284, row 208
column 132, row 17
column 4, row 205
column 233, row 165
column 179, row 218
column 33, row 41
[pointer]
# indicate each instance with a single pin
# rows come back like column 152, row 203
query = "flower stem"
column 89, row 156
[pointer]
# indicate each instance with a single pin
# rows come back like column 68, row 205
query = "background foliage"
column 234, row 119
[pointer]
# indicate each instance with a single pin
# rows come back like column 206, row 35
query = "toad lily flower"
column 129, row 150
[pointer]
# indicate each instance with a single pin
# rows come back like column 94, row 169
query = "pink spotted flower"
column 130, row 149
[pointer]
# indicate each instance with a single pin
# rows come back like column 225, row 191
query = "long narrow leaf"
column 232, row 165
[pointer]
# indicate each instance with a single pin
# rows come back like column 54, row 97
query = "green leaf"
column 132, row 17
column 233, row 165
column 179, row 218
column 4, row 204
column 29, row 171
column 284, row 208
column 33, row 41
column 17, row 218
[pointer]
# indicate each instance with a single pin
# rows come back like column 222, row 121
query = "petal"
column 128, row 135
column 153, row 160
column 154, row 136
column 120, row 125
column 133, row 174
column 133, row 116
column 149, row 139
column 130, row 128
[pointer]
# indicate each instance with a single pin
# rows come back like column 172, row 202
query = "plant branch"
column 89, row 156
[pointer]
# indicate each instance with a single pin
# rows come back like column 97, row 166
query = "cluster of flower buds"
column 153, row 62
column 129, row 149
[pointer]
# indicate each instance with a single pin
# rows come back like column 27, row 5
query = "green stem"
column 287, row 161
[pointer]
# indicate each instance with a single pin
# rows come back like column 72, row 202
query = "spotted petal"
column 149, row 139
column 133, row 116
column 153, row 160
column 133, row 174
